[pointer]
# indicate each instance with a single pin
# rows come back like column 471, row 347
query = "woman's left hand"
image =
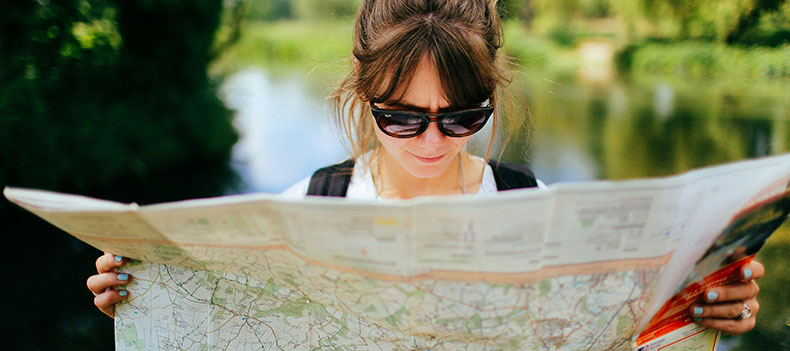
column 731, row 308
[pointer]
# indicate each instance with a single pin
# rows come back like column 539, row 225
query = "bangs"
column 462, row 60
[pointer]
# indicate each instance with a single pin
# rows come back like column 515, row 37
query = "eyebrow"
column 410, row 107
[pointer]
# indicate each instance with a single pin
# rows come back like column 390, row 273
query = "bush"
column 95, row 91
column 325, row 10
column 706, row 60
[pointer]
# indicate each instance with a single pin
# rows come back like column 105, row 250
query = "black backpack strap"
column 510, row 176
column 332, row 180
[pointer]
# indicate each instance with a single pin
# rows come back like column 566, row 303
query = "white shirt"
column 362, row 187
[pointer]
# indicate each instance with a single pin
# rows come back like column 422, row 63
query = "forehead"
column 423, row 91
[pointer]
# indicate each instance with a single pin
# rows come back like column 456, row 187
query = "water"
column 581, row 131
column 279, row 122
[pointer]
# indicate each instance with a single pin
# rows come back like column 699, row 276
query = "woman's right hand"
column 101, row 284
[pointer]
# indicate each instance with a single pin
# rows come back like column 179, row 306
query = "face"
column 429, row 154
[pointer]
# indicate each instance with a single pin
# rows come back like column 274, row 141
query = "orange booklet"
column 721, row 264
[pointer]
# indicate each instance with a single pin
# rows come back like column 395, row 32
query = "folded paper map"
column 578, row 266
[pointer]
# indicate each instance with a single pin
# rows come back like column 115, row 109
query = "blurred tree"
column 232, row 21
column 107, row 98
column 266, row 10
column 750, row 22
column 767, row 23
column 594, row 8
column 96, row 90
column 683, row 10
column 761, row 22
column 553, row 18
column 323, row 10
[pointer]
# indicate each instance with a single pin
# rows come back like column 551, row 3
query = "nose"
column 432, row 135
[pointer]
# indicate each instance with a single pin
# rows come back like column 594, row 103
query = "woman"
column 426, row 76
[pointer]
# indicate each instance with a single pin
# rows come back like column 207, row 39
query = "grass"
column 324, row 49
column 290, row 46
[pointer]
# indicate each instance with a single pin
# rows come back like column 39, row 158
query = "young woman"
column 426, row 76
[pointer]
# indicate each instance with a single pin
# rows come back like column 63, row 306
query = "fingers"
column 723, row 305
column 732, row 292
column 728, row 310
column 107, row 262
column 753, row 270
column 730, row 326
column 106, row 301
column 724, row 316
column 100, row 283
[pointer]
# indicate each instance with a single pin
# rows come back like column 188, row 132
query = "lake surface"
column 581, row 131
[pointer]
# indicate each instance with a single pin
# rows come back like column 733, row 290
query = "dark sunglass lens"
column 400, row 124
column 466, row 123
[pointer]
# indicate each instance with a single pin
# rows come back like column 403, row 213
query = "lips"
column 429, row 160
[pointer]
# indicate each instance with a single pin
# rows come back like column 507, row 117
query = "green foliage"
column 288, row 45
column 324, row 10
column 553, row 19
column 761, row 22
column 705, row 60
column 750, row 22
column 772, row 332
column 96, row 90
column 539, row 54
column 594, row 8
column 766, row 25
column 268, row 10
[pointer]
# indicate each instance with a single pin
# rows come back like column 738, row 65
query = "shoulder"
column 327, row 181
column 510, row 176
column 298, row 190
column 323, row 181
column 489, row 185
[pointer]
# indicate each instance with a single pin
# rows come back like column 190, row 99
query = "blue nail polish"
column 697, row 319
column 747, row 274
column 123, row 276
column 712, row 296
column 697, row 310
column 123, row 293
column 118, row 258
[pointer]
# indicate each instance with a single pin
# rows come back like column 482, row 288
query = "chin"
column 427, row 171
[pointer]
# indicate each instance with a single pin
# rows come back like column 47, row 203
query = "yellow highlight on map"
column 386, row 221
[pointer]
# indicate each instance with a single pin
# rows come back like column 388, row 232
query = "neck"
column 394, row 182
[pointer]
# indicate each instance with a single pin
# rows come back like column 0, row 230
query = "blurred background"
column 152, row 101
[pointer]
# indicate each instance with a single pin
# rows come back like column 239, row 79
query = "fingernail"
column 697, row 319
column 123, row 293
column 697, row 310
column 124, row 276
column 712, row 296
column 118, row 258
column 747, row 274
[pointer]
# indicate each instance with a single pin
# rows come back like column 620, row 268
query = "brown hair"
column 460, row 37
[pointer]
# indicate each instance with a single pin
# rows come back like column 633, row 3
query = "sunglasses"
column 409, row 124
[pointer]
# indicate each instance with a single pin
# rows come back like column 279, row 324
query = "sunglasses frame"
column 428, row 118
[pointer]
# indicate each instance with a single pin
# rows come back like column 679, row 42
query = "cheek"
column 389, row 143
column 459, row 143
